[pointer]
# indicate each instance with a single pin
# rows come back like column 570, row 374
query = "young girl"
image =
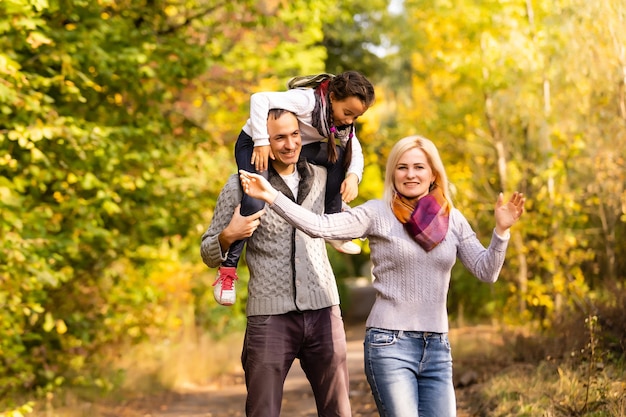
column 327, row 107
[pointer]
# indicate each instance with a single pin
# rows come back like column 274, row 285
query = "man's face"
column 285, row 142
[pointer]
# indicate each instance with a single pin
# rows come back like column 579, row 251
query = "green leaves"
column 525, row 97
column 117, row 121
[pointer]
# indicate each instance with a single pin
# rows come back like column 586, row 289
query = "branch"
column 190, row 19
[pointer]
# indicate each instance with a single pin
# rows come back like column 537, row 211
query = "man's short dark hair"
column 277, row 113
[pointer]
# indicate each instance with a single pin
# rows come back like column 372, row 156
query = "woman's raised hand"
column 257, row 187
column 509, row 213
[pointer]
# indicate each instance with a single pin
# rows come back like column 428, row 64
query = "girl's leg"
column 316, row 153
column 249, row 205
column 224, row 291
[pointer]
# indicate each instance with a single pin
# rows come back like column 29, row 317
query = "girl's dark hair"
column 352, row 83
column 345, row 85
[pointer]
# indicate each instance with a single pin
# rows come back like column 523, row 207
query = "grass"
column 551, row 389
column 184, row 362
column 512, row 378
column 193, row 359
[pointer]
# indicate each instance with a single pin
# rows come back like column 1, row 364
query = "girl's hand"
column 350, row 188
column 508, row 214
column 257, row 187
column 260, row 157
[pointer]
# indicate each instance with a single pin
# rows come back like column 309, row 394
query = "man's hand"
column 350, row 188
column 260, row 157
column 240, row 227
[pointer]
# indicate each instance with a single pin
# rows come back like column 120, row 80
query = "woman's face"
column 413, row 174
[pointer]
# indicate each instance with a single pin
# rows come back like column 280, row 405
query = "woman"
column 415, row 237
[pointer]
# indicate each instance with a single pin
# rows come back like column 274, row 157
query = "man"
column 293, row 302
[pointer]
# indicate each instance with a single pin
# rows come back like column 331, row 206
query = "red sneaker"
column 224, row 291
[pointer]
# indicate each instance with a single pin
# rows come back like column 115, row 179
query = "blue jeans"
column 410, row 373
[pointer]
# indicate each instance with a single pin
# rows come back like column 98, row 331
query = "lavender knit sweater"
column 411, row 284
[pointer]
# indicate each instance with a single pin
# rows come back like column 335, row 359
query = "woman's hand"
column 260, row 156
column 508, row 214
column 257, row 187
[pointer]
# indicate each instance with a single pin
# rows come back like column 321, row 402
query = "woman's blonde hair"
column 432, row 156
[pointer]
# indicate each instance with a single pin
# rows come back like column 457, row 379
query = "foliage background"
column 118, row 121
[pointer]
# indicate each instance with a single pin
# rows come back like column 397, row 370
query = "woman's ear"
column 432, row 182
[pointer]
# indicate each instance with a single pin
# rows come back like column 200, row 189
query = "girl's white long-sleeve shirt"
column 411, row 284
column 300, row 101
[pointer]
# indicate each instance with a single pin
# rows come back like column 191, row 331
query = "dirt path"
column 229, row 399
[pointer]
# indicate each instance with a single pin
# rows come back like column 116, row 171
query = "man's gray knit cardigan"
column 289, row 270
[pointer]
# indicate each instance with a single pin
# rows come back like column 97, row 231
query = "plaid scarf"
column 426, row 220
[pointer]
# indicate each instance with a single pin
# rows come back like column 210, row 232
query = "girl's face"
column 346, row 111
column 413, row 174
